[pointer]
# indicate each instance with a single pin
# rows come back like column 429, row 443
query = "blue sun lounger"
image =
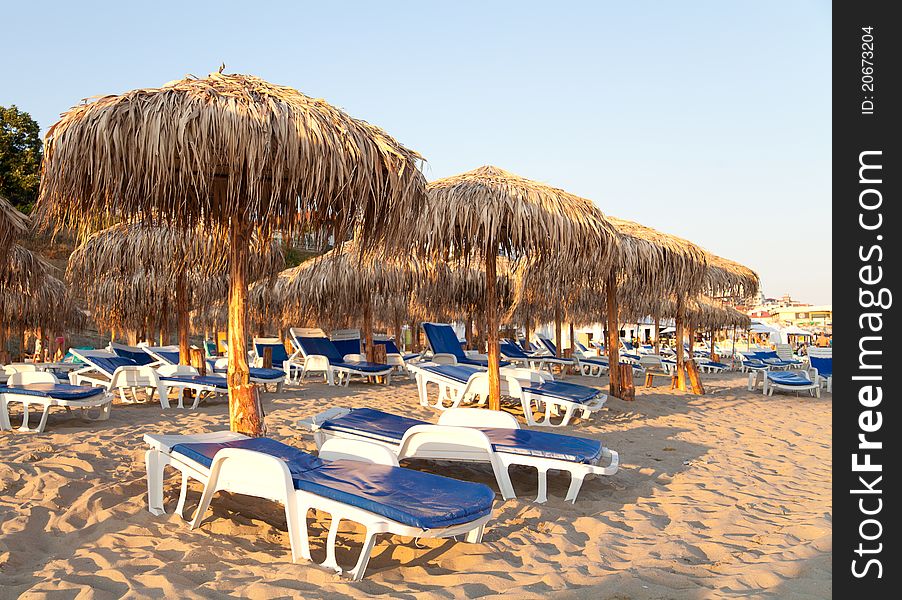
column 471, row 435
column 446, row 347
column 321, row 355
column 169, row 355
column 43, row 390
column 515, row 354
column 350, row 480
column 536, row 391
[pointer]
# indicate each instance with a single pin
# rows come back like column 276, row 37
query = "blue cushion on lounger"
column 564, row 391
column 824, row 366
column 320, row 346
column 788, row 378
column 139, row 357
column 386, row 427
column 167, row 354
column 349, row 346
column 711, row 363
column 362, row 366
column 460, row 373
column 210, row 380
column 109, row 364
column 57, row 391
column 410, row 497
column 279, row 355
column 261, row 373
column 512, row 350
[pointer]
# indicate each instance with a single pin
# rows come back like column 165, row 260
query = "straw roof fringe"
column 13, row 224
column 49, row 305
column 128, row 248
column 488, row 207
column 21, row 269
column 729, row 279
column 225, row 147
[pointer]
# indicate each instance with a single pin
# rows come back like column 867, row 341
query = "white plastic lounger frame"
column 332, row 374
column 519, row 382
column 293, row 365
column 127, row 378
column 450, row 390
column 514, row 380
column 102, row 400
column 200, row 389
column 453, row 438
column 261, row 475
column 812, row 388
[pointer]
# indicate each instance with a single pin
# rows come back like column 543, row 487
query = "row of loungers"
column 356, row 475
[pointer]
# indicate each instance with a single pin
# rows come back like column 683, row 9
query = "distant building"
column 786, row 311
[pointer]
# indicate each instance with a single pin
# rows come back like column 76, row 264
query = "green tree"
column 20, row 157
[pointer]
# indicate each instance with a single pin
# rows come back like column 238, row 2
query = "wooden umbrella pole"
column 245, row 412
column 680, row 355
column 181, row 307
column 396, row 328
column 558, row 335
column 491, row 330
column 612, row 342
column 368, row 328
column 528, row 332
column 657, row 333
column 572, row 339
column 469, row 332
column 695, row 380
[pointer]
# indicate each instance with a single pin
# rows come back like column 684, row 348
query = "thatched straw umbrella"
column 489, row 211
column 13, row 224
column 728, row 279
column 236, row 152
column 187, row 266
column 47, row 307
column 341, row 283
column 22, row 269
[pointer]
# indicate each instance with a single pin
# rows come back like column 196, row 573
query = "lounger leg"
column 181, row 394
column 330, row 562
column 183, row 495
column 576, row 483
column 542, row 496
column 154, row 466
column 204, row 504
column 368, row 543
column 474, row 536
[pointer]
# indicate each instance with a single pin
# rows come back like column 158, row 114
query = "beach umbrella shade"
column 344, row 282
column 489, row 212
column 236, row 152
column 21, row 269
column 190, row 267
column 13, row 224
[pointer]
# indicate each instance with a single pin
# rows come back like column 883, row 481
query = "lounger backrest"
column 20, row 368
column 823, row 364
column 210, row 348
column 443, row 340
column 169, row 354
column 29, row 377
column 390, row 346
column 549, row 345
column 322, row 346
column 299, row 332
column 138, row 355
column 346, row 340
column 103, row 361
column 279, row 355
column 512, row 350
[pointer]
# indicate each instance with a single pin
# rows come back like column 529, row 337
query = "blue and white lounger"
column 471, row 435
column 350, row 480
column 821, row 366
column 43, row 390
column 446, row 347
column 321, row 355
column 169, row 355
column 515, row 354
column 280, row 359
column 119, row 373
column 534, row 390
column 790, row 382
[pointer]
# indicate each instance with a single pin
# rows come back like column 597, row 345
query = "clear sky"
column 709, row 120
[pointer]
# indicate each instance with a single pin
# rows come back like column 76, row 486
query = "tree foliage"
column 20, row 157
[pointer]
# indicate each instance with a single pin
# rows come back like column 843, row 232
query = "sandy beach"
column 726, row 495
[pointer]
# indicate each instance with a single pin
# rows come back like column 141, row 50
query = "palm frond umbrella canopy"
column 47, row 307
column 13, row 224
column 489, row 212
column 237, row 152
column 187, row 266
column 21, row 269
column 344, row 282
column 729, row 280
